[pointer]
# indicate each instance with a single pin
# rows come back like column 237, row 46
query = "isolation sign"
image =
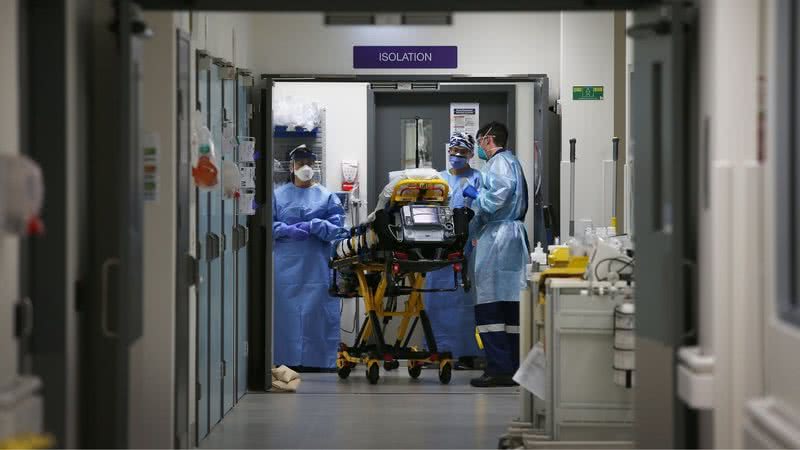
column 405, row 57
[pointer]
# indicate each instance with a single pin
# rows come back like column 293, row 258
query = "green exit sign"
column 587, row 92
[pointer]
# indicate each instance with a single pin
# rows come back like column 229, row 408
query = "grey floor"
column 396, row 413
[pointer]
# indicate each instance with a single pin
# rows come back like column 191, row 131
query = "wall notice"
column 150, row 164
column 465, row 118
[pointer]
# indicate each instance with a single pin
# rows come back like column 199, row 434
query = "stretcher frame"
column 387, row 275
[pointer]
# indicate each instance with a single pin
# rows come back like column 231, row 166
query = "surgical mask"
column 458, row 162
column 304, row 173
column 482, row 154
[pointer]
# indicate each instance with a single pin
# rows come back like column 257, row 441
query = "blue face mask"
column 482, row 154
column 458, row 162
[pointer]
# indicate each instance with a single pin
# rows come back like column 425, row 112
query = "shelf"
column 284, row 132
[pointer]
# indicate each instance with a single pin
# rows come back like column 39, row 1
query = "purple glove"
column 470, row 192
column 305, row 226
column 296, row 233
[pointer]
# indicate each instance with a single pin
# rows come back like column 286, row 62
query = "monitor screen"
column 425, row 215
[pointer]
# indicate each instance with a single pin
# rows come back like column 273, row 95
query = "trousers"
column 498, row 325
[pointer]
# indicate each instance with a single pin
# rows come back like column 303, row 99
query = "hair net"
column 462, row 140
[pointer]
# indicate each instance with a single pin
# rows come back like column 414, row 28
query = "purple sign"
column 430, row 57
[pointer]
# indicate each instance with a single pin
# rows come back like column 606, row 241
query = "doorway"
column 391, row 110
column 412, row 128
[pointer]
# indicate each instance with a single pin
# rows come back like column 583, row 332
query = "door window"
column 787, row 160
column 416, row 135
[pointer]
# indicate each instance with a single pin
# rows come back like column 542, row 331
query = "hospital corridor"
column 461, row 224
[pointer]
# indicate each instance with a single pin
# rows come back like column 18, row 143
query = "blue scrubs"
column 306, row 317
column 452, row 314
column 500, row 259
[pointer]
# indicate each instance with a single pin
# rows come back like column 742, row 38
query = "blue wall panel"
column 215, row 275
column 228, row 259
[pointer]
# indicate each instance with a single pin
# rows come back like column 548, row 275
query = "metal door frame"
column 408, row 5
column 261, row 318
column 113, row 319
column 511, row 114
column 243, row 230
column 664, row 127
column 184, row 263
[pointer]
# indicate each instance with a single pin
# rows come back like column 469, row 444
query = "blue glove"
column 305, row 226
column 327, row 231
column 296, row 232
column 470, row 192
column 468, row 248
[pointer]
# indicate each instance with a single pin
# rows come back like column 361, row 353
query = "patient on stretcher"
column 412, row 230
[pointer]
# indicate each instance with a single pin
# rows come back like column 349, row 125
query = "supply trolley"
column 415, row 233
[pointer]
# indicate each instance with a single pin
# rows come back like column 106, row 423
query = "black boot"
column 487, row 380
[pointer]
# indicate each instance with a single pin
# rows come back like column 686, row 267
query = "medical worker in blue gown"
column 306, row 219
column 452, row 314
column 500, row 205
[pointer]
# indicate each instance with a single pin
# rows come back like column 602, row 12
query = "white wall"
column 226, row 35
column 732, row 280
column 629, row 156
column 153, row 356
column 9, row 144
column 587, row 55
column 518, row 43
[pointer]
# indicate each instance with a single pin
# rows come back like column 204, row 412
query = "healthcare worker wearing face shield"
column 501, row 254
column 452, row 314
column 306, row 219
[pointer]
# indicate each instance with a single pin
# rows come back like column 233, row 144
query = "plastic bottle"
column 205, row 169
column 539, row 255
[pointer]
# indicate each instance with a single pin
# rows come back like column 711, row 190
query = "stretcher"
column 416, row 233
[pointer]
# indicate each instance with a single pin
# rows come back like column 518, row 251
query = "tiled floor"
column 396, row 413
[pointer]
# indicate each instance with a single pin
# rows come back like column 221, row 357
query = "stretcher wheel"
column 343, row 372
column 373, row 373
column 415, row 371
column 445, row 372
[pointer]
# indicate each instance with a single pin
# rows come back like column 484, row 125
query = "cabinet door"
column 215, row 270
column 113, row 316
column 229, row 279
column 773, row 421
column 203, row 255
column 243, row 108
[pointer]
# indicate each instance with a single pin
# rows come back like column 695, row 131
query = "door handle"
column 24, row 318
column 218, row 245
column 243, row 236
column 210, row 252
column 236, row 235
column 107, row 265
column 213, row 246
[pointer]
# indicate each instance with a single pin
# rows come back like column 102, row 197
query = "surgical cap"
column 462, row 140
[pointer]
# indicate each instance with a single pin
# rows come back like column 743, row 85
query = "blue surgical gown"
column 306, row 318
column 452, row 314
column 502, row 251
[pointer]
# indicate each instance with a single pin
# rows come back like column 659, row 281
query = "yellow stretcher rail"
column 28, row 441
column 413, row 190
